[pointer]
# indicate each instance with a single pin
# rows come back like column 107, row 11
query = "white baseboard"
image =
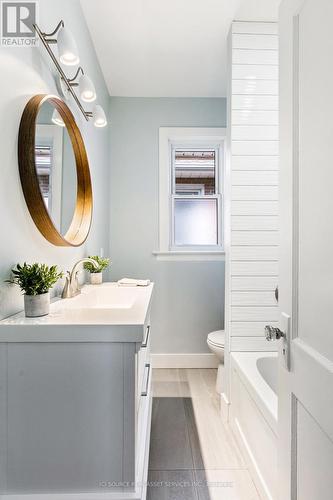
column 193, row 360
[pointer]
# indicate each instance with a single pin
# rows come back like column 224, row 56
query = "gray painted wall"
column 25, row 72
column 189, row 296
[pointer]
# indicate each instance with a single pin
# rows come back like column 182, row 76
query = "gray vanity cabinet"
column 75, row 418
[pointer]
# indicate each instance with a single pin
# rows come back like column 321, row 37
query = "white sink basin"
column 103, row 297
column 107, row 306
column 101, row 303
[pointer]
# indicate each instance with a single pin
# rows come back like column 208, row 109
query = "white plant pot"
column 37, row 305
column 96, row 278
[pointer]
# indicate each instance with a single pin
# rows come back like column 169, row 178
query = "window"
column 195, row 197
column 191, row 187
column 43, row 161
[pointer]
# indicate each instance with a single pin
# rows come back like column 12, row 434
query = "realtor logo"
column 17, row 20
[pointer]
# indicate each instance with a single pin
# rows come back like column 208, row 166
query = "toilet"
column 215, row 342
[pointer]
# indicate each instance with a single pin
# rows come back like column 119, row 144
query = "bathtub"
column 253, row 415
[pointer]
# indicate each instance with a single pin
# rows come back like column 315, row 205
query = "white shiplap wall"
column 253, row 252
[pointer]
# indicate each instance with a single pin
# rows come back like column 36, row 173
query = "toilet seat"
column 216, row 338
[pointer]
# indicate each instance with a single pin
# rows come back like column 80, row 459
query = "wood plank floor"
column 193, row 454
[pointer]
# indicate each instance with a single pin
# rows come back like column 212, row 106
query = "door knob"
column 273, row 333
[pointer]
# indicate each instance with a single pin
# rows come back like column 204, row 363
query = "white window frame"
column 188, row 138
column 198, row 188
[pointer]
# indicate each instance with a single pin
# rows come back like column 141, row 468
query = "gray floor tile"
column 182, row 423
column 193, row 434
column 170, row 445
column 201, row 485
column 171, row 485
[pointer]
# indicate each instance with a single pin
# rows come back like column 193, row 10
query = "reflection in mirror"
column 56, row 168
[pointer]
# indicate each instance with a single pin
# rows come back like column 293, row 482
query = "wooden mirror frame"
column 80, row 226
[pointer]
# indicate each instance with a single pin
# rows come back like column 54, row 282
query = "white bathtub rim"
column 262, row 394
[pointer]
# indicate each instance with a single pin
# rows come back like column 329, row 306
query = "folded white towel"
column 132, row 282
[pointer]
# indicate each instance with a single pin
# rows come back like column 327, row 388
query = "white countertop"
column 101, row 313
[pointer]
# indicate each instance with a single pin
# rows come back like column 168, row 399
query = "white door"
column 306, row 265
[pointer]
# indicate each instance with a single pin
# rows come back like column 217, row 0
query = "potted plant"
column 96, row 274
column 35, row 280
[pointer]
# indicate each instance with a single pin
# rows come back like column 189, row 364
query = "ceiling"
column 167, row 48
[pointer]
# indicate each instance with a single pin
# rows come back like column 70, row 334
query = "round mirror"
column 54, row 171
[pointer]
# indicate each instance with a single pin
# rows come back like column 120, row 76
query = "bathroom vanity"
column 75, row 398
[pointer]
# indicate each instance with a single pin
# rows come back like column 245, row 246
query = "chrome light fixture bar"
column 47, row 41
column 70, row 57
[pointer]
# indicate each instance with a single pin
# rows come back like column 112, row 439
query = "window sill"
column 188, row 255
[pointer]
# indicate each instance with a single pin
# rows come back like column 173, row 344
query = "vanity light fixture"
column 56, row 118
column 67, row 48
column 98, row 116
column 87, row 89
column 68, row 55
column 85, row 84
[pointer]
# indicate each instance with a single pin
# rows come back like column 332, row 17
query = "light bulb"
column 87, row 89
column 67, row 48
column 99, row 117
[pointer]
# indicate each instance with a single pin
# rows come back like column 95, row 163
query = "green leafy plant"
column 102, row 264
column 35, row 279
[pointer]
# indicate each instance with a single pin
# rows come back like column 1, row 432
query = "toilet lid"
column 217, row 338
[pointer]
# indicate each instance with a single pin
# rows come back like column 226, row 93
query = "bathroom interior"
column 166, row 270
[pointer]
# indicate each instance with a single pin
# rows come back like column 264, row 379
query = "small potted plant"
column 96, row 274
column 35, row 280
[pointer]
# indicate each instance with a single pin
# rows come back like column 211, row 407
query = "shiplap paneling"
column 253, row 299
column 255, row 147
column 250, row 329
column 255, row 178
column 253, row 117
column 254, row 71
column 256, row 28
column 255, row 132
column 255, row 238
column 254, row 41
column 258, row 102
column 253, row 162
column 259, row 268
column 254, row 222
column 256, row 299
column 249, row 56
column 255, row 87
column 254, row 253
column 254, row 208
column 253, row 258
column 255, row 343
column 249, row 193
column 254, row 313
column 253, row 283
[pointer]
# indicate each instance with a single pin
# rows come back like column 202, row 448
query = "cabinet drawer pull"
column 145, row 342
column 145, row 392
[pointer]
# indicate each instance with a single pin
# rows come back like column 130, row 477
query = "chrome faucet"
column 71, row 288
